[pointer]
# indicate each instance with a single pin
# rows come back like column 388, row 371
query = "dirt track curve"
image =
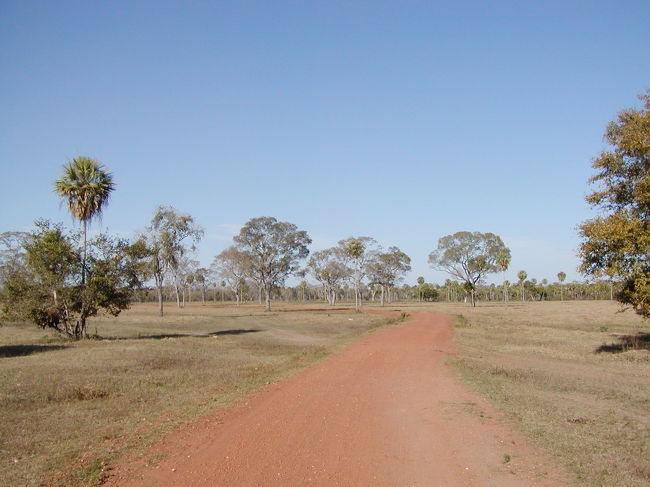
column 384, row 412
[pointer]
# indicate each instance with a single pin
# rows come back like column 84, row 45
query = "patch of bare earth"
column 384, row 412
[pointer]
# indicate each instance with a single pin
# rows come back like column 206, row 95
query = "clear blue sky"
column 405, row 121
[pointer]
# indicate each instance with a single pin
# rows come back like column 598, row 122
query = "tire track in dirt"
column 384, row 412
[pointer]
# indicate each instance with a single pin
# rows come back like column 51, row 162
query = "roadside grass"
column 568, row 375
column 69, row 410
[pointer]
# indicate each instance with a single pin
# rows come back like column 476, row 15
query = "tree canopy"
column 616, row 244
column 469, row 257
column 273, row 250
column 85, row 186
column 47, row 288
column 358, row 252
column 231, row 265
column 328, row 267
column 166, row 240
column 387, row 268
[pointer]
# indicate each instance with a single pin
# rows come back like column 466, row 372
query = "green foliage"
column 328, row 267
column 355, row 248
column 272, row 251
column 358, row 253
column 94, row 474
column 47, row 288
column 388, row 267
column 85, row 186
column 469, row 257
column 503, row 260
column 428, row 292
column 617, row 243
column 163, row 245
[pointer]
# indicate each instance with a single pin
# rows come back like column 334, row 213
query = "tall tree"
column 85, row 187
column 420, row 284
column 183, row 275
column 561, row 276
column 201, row 276
column 273, row 249
column 503, row 262
column 617, row 243
column 469, row 257
column 359, row 252
column 388, row 268
column 166, row 240
column 522, row 275
column 328, row 267
column 232, row 266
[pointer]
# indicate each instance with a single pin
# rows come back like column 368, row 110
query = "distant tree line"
column 57, row 278
column 211, row 291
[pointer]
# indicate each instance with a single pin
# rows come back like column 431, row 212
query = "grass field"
column 69, row 410
column 557, row 370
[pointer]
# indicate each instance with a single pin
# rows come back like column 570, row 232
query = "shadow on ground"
column 186, row 335
column 640, row 341
column 7, row 351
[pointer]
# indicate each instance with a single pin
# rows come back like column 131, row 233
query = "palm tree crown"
column 86, row 186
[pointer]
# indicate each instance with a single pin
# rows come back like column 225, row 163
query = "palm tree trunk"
column 83, row 260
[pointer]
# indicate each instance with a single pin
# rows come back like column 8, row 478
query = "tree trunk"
column 381, row 298
column 159, row 284
column 178, row 296
column 267, row 298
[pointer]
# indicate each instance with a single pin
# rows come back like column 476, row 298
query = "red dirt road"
column 384, row 412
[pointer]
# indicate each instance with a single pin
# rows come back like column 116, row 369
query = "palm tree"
column 85, row 187
column 522, row 275
column 503, row 262
column 355, row 250
column 561, row 276
column 420, row 284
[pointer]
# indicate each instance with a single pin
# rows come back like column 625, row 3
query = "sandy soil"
column 386, row 411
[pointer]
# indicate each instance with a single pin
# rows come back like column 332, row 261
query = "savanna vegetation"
column 572, row 374
column 617, row 242
column 71, row 409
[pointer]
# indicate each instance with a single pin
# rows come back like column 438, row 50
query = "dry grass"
column 71, row 409
column 560, row 371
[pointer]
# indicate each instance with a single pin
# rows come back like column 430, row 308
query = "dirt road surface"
column 386, row 411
